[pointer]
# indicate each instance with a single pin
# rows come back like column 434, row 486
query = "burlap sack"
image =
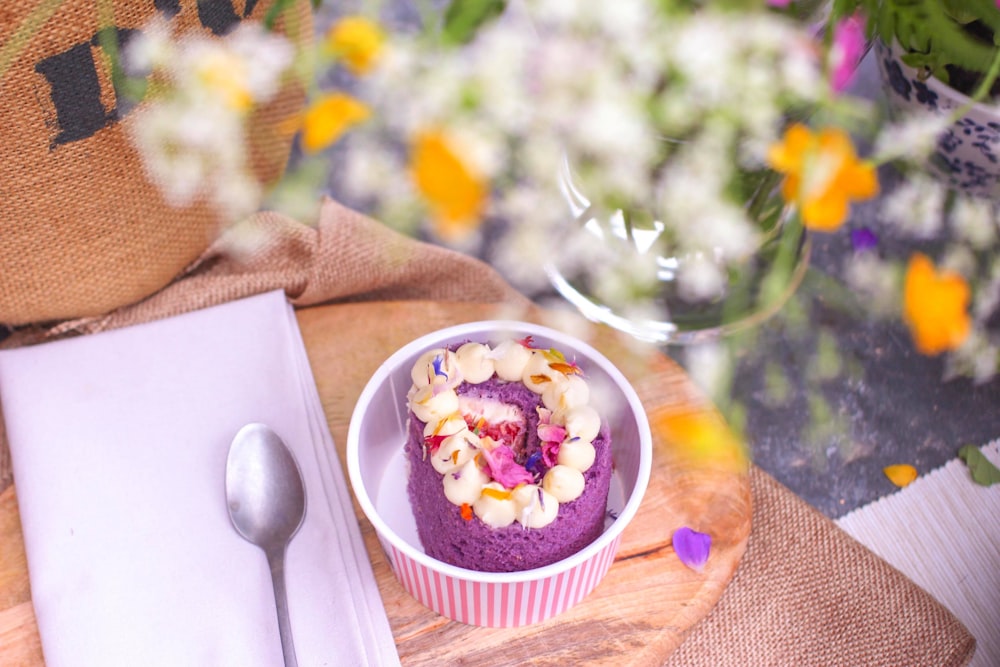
column 82, row 229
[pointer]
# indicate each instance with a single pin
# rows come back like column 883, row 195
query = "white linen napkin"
column 119, row 443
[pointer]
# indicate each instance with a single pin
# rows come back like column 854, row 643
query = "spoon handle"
column 276, row 561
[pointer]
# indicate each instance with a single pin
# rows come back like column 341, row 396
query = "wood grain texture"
column 638, row 614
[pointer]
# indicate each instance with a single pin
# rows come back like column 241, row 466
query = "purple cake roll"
column 453, row 534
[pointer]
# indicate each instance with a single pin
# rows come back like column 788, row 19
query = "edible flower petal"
column 466, row 511
column 438, row 363
column 357, row 41
column 934, row 306
column 328, row 118
column 900, row 474
column 504, row 469
column 551, row 432
column 455, row 194
column 822, row 175
column 863, row 238
column 566, row 368
column 848, row 49
column 527, row 342
column 434, row 441
column 692, row 547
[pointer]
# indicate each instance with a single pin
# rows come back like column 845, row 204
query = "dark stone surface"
column 889, row 405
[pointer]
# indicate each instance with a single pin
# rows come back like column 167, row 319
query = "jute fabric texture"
column 83, row 229
column 804, row 594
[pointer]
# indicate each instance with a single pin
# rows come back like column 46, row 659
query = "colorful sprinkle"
column 466, row 511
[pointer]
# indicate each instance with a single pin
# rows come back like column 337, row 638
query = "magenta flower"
column 504, row 469
column 692, row 547
column 848, row 48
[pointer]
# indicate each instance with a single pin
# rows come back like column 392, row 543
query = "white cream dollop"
column 431, row 407
column 450, row 425
column 423, row 368
column 464, row 485
column 581, row 422
column 564, row 483
column 454, row 452
column 538, row 375
column 509, row 360
column 570, row 391
column 577, row 453
column 537, row 507
column 495, row 512
column 475, row 362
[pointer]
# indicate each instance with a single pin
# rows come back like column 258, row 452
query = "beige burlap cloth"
column 805, row 593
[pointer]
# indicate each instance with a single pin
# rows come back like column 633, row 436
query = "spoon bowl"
column 267, row 504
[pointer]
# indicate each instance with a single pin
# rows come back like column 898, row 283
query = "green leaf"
column 982, row 470
column 464, row 17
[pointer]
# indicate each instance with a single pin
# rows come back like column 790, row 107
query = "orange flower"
column 701, row 436
column 357, row 41
column 934, row 306
column 822, row 175
column 455, row 193
column 327, row 118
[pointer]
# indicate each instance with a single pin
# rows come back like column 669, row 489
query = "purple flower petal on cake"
column 504, row 469
column 692, row 547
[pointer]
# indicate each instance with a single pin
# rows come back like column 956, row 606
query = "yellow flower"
column 701, row 436
column 822, row 175
column 455, row 193
column 327, row 118
column 225, row 74
column 934, row 306
column 357, row 41
column 900, row 474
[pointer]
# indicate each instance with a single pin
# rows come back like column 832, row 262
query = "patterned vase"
column 968, row 153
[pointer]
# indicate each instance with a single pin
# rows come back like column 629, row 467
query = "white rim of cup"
column 489, row 326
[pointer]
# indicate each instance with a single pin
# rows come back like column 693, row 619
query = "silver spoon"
column 267, row 504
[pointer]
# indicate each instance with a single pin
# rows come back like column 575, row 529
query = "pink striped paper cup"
column 377, row 470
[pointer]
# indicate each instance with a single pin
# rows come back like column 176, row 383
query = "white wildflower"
column 875, row 280
column 975, row 220
column 913, row 138
column 709, row 366
column 977, row 357
column 700, row 278
column 916, row 207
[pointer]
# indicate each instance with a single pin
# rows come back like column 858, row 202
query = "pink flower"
column 848, row 48
column 504, row 469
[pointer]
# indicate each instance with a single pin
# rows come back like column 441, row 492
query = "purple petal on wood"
column 692, row 547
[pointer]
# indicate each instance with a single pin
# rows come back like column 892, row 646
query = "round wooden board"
column 641, row 611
